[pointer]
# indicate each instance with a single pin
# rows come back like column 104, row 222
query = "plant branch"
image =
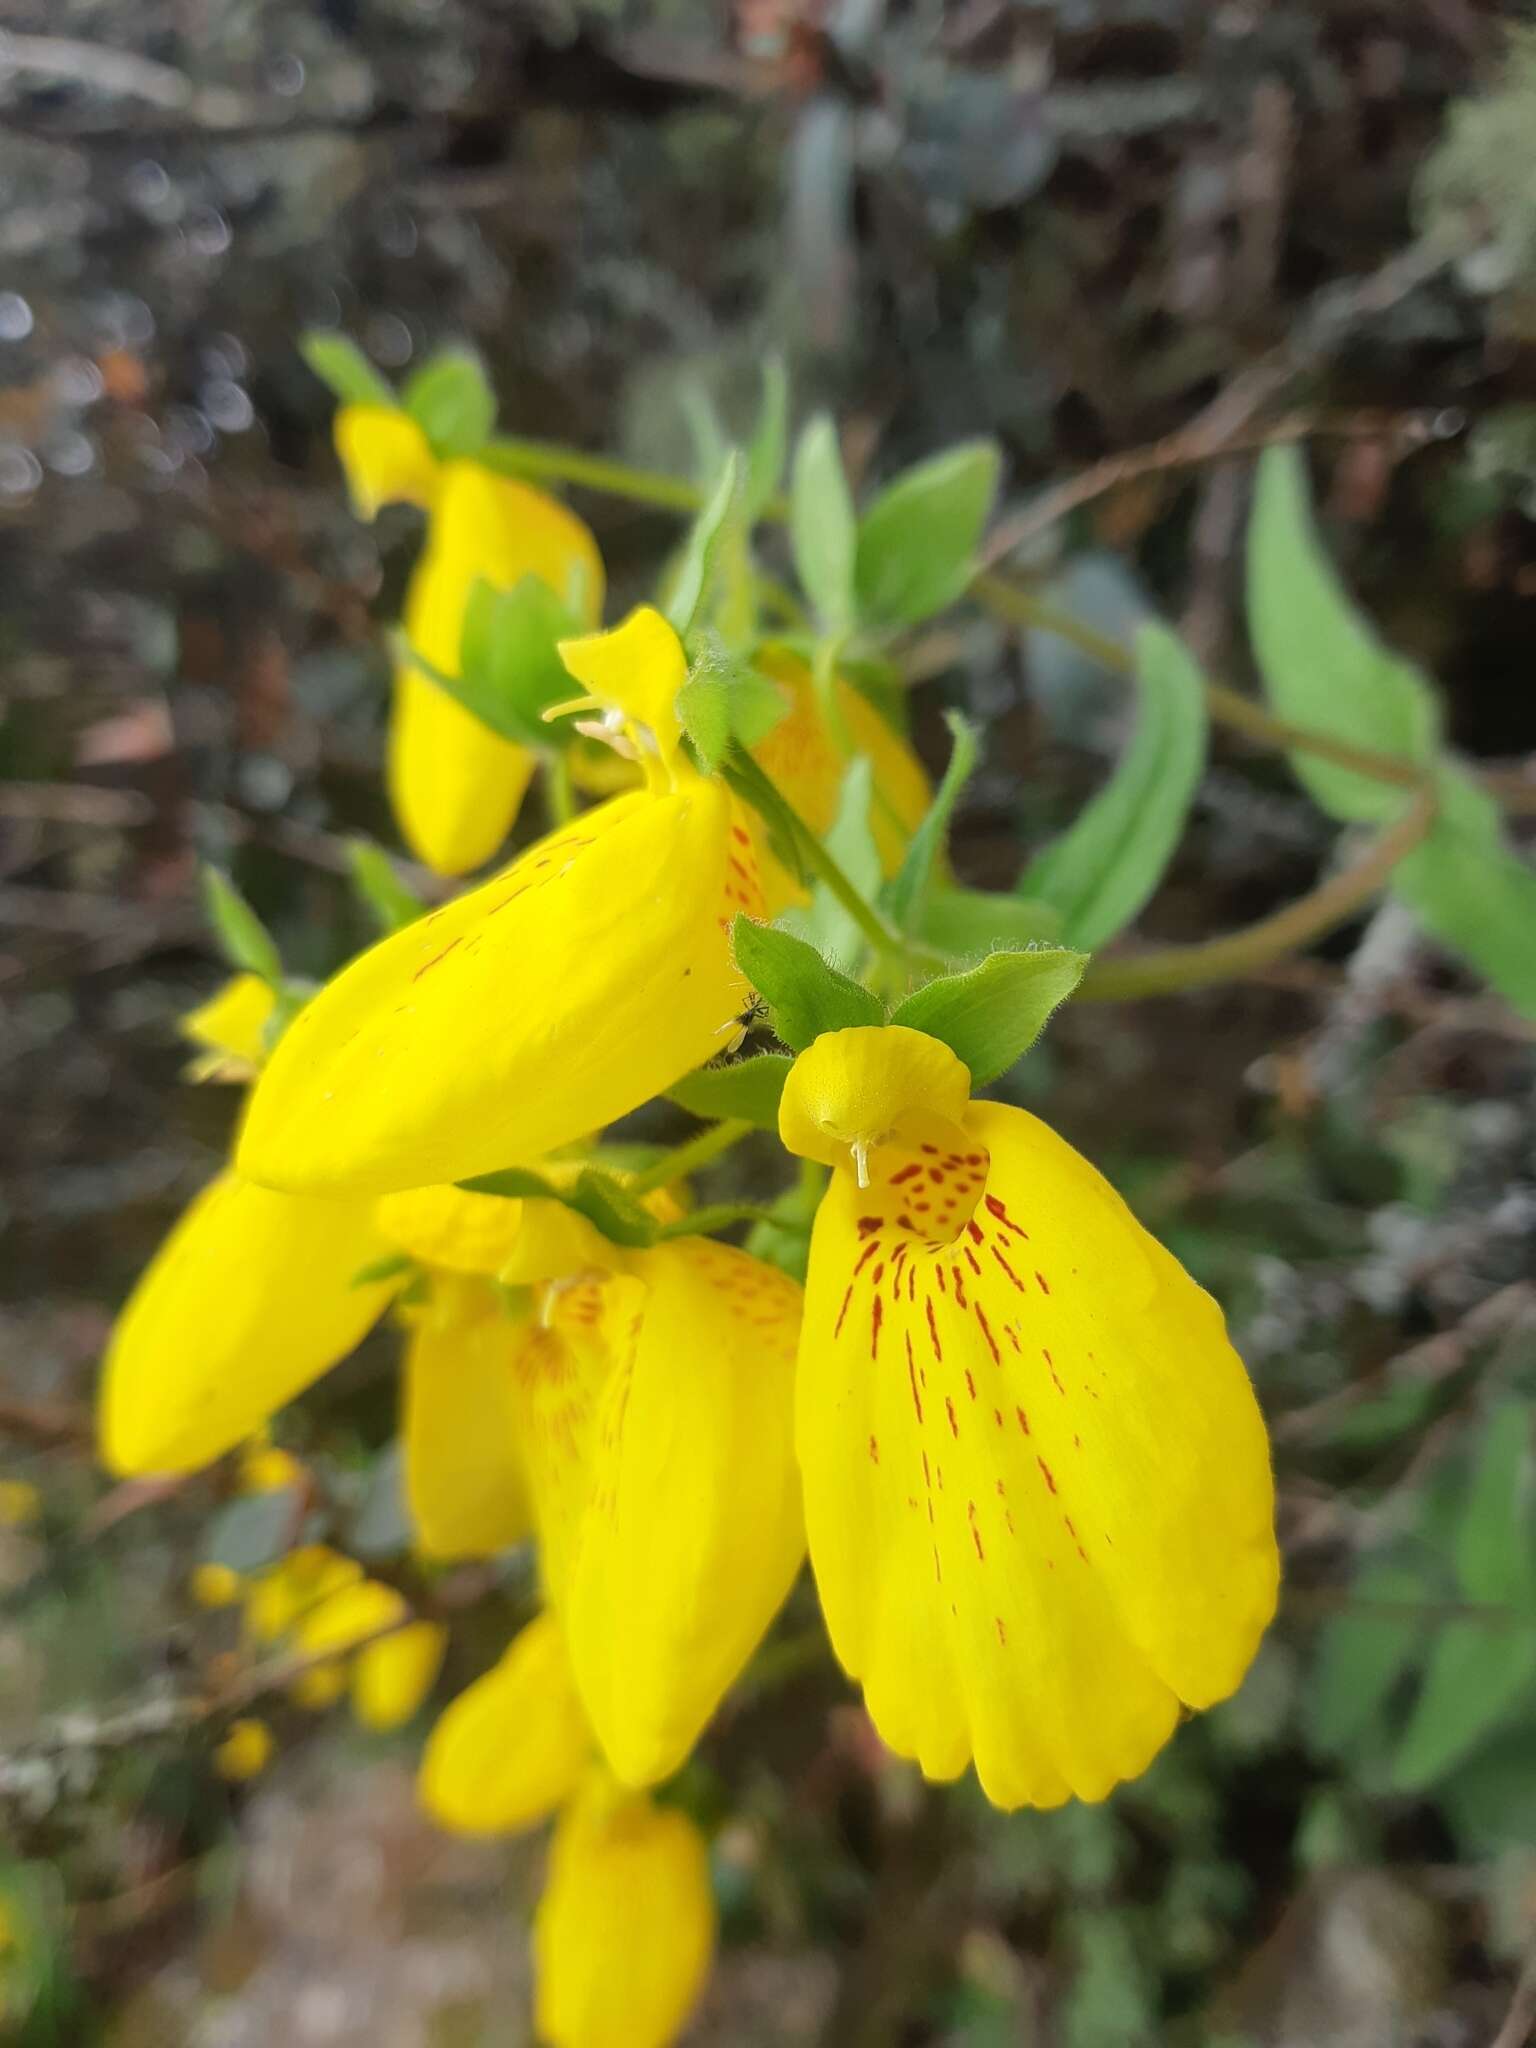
column 1175, row 968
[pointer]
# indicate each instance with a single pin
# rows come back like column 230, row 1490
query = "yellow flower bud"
column 245, row 1751
column 216, row 1585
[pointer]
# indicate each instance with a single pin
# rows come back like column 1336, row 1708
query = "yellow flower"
column 265, row 1469
column 456, row 785
column 298, row 1583
column 463, row 1476
column 231, row 1027
column 245, row 1751
column 625, row 1929
column 513, row 1747
column 654, row 1413
column 249, row 1299
column 807, row 754
column 390, row 1677
column 1037, row 1486
column 585, row 978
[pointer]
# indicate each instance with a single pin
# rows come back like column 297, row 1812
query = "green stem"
column 551, row 462
column 559, row 790
column 690, row 1156
column 1243, row 952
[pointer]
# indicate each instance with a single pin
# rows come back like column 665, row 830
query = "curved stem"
column 690, row 1156
column 559, row 790
column 719, row 1215
column 1238, row 953
column 557, row 464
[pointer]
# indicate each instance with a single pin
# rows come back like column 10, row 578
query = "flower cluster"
column 1005, row 1423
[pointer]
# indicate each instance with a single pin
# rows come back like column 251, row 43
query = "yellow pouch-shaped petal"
column 807, row 757
column 516, row 1240
column 456, row 785
column 248, row 1300
column 1037, row 1485
column 464, row 1480
column 690, row 1533
column 582, row 980
column 625, row 1929
column 514, row 1746
column 386, row 457
column 635, row 671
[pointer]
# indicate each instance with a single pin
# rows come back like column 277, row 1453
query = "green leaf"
column 804, row 993
column 390, row 1267
column 451, row 402
column 705, row 428
column 1471, row 891
column 1479, row 1671
column 381, row 1524
column 822, row 532
column 392, row 905
column 620, row 1217
column 917, row 542
column 695, row 568
column 726, row 701
column 1361, row 1655
column 243, row 939
column 907, row 892
column 1496, row 1543
column 1107, row 863
column 510, row 671
column 747, row 1089
column 991, row 1016
column 254, row 1530
column 966, row 922
column 770, row 437
column 824, row 923
column 1490, row 1800
column 1322, row 663
column 341, row 365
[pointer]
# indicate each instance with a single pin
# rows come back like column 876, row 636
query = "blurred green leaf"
column 243, row 939
column 450, row 400
column 1480, row 1670
column 907, row 892
column 695, row 567
column 805, row 994
column 726, row 701
column 510, row 671
column 381, row 1522
column 254, row 1530
column 341, row 365
column 747, row 1089
column 770, row 438
column 1496, row 1543
column 1490, row 1800
column 618, row 1215
column 822, row 531
column 1322, row 664
column 1471, row 890
column 1107, row 863
column 991, row 1016
column 391, row 904
column 917, row 542
column 1361, row 1655
column 965, row 922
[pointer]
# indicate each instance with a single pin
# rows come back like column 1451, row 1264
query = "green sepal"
column 805, row 994
column 746, row 1090
column 990, row 1016
column 343, row 368
column 452, row 403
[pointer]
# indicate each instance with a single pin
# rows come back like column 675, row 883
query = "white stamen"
column 860, row 1153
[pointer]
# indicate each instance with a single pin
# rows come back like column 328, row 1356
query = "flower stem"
column 1310, row 917
column 556, row 464
column 559, row 792
column 688, row 1157
column 718, row 1215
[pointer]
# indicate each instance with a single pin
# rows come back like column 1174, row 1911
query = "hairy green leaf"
column 747, row 1089
column 991, row 1016
column 917, row 542
column 822, row 530
column 908, row 889
column 805, row 994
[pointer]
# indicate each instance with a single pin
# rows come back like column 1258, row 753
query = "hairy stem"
column 688, row 1157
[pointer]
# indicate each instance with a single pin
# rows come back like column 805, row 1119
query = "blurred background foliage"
column 1072, row 224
